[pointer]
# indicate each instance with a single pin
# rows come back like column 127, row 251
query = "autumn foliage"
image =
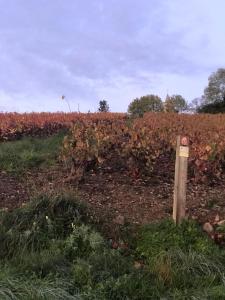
column 14, row 125
column 145, row 147
column 141, row 147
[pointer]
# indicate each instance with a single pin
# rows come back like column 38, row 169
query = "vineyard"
column 14, row 125
column 145, row 147
column 85, row 201
column 112, row 150
column 141, row 147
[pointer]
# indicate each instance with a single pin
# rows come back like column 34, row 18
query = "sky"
column 117, row 50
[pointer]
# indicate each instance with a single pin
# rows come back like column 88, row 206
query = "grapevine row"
column 14, row 125
column 146, row 146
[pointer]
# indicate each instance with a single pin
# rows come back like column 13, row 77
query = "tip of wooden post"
column 184, row 141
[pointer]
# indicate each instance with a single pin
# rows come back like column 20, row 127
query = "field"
column 85, row 206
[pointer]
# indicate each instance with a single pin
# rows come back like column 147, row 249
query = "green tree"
column 175, row 103
column 212, row 108
column 213, row 100
column 215, row 91
column 145, row 104
column 103, row 106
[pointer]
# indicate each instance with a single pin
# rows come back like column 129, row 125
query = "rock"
column 207, row 227
column 120, row 220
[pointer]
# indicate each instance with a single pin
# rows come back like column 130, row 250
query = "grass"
column 27, row 153
column 165, row 236
column 51, row 249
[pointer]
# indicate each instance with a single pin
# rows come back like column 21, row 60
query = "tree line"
column 212, row 101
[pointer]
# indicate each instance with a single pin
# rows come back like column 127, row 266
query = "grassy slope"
column 19, row 156
column 50, row 249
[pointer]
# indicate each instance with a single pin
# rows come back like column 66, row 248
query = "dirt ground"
column 12, row 192
column 137, row 201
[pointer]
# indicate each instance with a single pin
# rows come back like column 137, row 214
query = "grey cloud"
column 78, row 47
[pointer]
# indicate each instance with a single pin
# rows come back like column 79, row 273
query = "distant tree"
column 213, row 100
column 103, row 106
column 215, row 91
column 195, row 104
column 145, row 104
column 175, row 103
column 212, row 108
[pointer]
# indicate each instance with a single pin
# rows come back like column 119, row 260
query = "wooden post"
column 176, row 182
column 180, row 184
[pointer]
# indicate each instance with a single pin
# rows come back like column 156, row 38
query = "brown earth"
column 116, row 194
column 12, row 191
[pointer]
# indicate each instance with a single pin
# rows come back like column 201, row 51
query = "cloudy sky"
column 116, row 50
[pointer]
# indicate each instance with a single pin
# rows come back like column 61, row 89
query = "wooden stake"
column 180, row 184
column 176, row 182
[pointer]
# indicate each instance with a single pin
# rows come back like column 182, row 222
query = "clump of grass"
column 182, row 259
column 180, row 270
column 33, row 288
column 165, row 235
column 33, row 226
column 42, row 263
column 19, row 156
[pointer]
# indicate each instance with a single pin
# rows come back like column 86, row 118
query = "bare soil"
column 116, row 194
column 12, row 191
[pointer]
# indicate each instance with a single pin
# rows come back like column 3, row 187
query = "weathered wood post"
column 180, row 182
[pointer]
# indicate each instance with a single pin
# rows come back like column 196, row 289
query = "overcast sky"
column 116, row 50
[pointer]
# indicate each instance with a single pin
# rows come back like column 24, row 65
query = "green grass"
column 51, row 249
column 165, row 236
column 22, row 155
